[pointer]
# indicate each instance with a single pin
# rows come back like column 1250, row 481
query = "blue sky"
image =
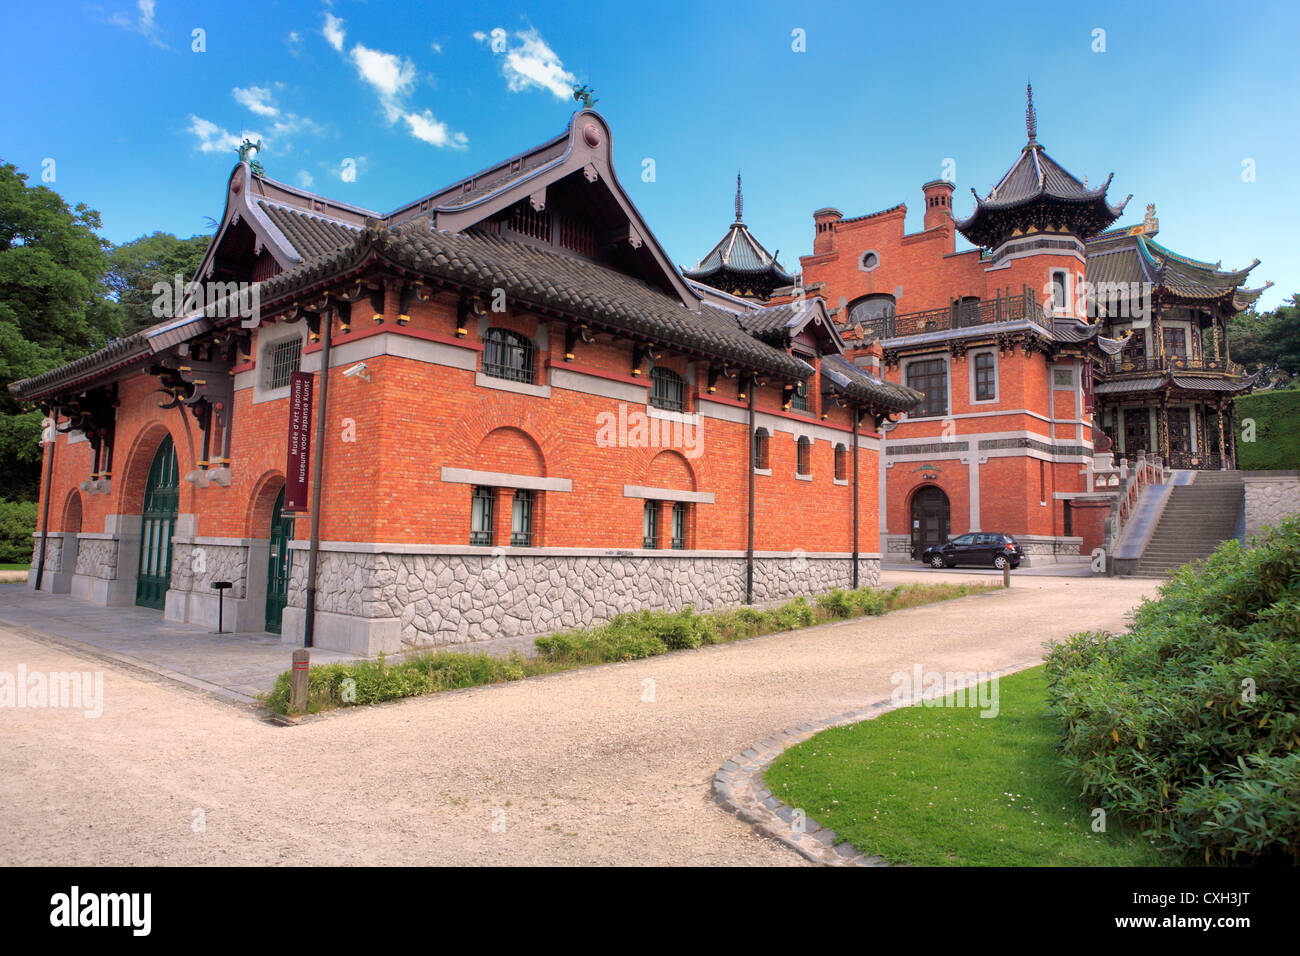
column 1185, row 100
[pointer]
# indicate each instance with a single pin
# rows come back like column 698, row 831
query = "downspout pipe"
column 317, row 474
column 856, row 414
column 49, row 493
column 749, row 467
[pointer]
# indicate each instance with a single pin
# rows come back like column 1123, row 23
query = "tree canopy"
column 1269, row 342
column 135, row 266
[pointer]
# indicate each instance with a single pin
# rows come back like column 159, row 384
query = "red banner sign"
column 298, row 468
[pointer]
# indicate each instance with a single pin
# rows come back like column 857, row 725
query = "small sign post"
column 221, row 587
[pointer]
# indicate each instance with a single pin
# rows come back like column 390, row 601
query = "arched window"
column 803, row 456
column 871, row 310
column 667, row 389
column 841, row 463
column 508, row 355
column 761, row 460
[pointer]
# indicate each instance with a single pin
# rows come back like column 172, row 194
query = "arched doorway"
column 279, row 564
column 161, row 502
column 930, row 519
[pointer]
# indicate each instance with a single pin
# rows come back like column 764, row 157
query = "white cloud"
column 436, row 47
column 144, row 23
column 393, row 77
column 305, row 179
column 530, row 63
column 333, row 31
column 424, row 127
column 212, row 138
column 257, row 99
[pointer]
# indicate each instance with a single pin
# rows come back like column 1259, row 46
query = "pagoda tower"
column 739, row 264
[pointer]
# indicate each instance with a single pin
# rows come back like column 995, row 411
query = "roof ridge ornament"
column 1031, row 117
column 740, row 205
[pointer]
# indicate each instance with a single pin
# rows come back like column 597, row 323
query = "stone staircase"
column 1197, row 518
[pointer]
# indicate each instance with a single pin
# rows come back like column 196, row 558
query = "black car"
column 980, row 548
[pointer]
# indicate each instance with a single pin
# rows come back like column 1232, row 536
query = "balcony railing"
column 961, row 315
column 1173, row 363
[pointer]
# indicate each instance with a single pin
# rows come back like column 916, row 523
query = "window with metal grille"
column 803, row 456
column 508, row 355
column 841, row 462
column 679, row 525
column 929, row 377
column 650, row 525
column 283, row 359
column 985, row 382
column 480, row 516
column 521, row 519
column 667, row 390
column 799, row 397
column 762, row 461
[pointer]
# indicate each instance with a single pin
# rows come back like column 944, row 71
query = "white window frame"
column 862, row 261
column 997, row 383
column 1061, row 308
column 902, row 377
column 268, row 337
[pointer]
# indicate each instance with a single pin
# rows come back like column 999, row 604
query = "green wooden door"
column 161, row 500
column 278, row 564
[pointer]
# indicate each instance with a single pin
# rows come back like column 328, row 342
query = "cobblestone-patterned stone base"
column 196, row 566
column 1270, row 497
column 97, row 558
column 53, row 553
column 455, row 599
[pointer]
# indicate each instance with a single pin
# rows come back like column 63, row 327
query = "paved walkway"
column 236, row 666
column 607, row 765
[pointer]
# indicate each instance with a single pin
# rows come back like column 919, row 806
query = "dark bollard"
column 220, row 587
column 1006, row 575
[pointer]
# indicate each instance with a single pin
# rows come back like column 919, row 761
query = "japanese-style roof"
column 309, row 234
column 1038, row 194
column 857, row 383
column 1136, row 261
column 541, row 279
column 739, row 263
column 1149, row 384
column 1187, row 383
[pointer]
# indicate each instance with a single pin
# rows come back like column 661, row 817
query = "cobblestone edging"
column 738, row 785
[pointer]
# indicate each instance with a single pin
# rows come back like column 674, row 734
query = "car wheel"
column 936, row 561
column 1000, row 562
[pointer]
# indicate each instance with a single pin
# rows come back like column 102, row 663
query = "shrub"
column 837, row 603
column 1188, row 722
column 17, row 522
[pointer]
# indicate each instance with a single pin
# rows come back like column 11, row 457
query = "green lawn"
column 1277, row 440
column 24, row 566
column 938, row 786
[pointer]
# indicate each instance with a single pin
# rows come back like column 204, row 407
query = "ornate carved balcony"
column 1171, row 363
column 961, row 315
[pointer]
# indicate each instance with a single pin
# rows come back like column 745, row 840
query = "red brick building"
column 526, row 418
column 1014, row 342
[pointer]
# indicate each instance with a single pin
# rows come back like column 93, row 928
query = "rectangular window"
column 283, row 359
column 679, row 525
column 803, row 457
column 1175, row 340
column 667, row 390
column 799, row 397
column 986, row 388
column 1059, row 302
column 521, row 519
column 650, row 525
column 480, row 516
column 930, row 377
column 1063, row 378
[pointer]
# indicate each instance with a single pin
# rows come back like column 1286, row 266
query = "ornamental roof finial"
column 1031, row 118
column 739, row 202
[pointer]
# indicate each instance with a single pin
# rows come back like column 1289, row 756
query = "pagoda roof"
column 1132, row 258
column 740, row 262
column 1038, row 193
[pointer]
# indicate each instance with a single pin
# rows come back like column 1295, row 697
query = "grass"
column 1277, row 440
column 627, row 637
column 942, row 786
column 21, row 566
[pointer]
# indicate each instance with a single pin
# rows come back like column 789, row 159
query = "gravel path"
column 575, row 768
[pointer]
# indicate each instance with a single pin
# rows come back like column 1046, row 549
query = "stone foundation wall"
column 53, row 553
column 97, row 558
column 1270, row 497
column 196, row 566
column 456, row 599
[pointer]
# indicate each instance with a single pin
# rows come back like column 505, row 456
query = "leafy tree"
column 135, row 266
column 1269, row 342
column 53, row 308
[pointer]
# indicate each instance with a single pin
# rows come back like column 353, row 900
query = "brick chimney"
column 938, row 202
column 824, row 239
